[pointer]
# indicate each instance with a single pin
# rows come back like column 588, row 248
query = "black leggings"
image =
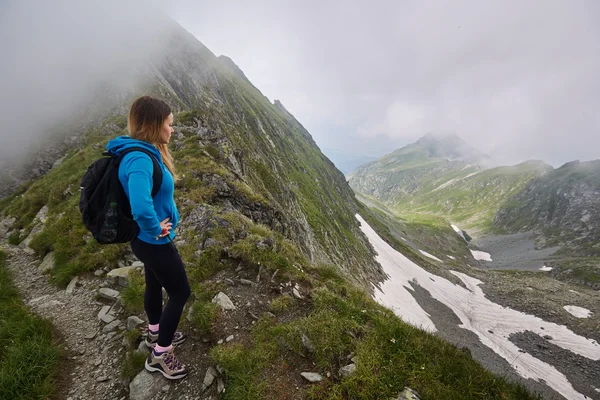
column 163, row 268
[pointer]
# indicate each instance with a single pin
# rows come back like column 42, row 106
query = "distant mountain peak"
column 453, row 147
column 231, row 64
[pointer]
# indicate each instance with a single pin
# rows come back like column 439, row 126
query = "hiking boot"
column 152, row 338
column 166, row 364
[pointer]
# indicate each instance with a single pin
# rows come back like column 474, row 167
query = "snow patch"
column 544, row 268
column 578, row 312
column 452, row 258
column 476, row 313
column 481, row 255
column 426, row 254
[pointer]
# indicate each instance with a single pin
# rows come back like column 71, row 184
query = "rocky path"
column 94, row 357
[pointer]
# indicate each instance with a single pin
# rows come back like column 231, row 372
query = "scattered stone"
column 296, row 294
column 111, row 327
column 104, row 316
column 98, row 362
column 109, row 336
column 254, row 316
column 108, row 294
column 38, row 299
column 220, row 341
column 145, row 385
column 220, row 385
column 490, row 331
column 210, row 242
column 120, row 275
column 137, row 264
column 220, row 369
column 312, row 377
column 229, row 282
column 165, row 388
column 307, row 344
column 247, row 282
column 102, row 378
column 71, row 285
column 407, row 394
column 274, row 275
column 142, row 347
column 209, row 378
column 51, row 303
column 348, row 370
column 547, row 337
column 133, row 322
column 48, row 263
column 229, row 338
column 270, row 315
column 223, row 301
column 90, row 336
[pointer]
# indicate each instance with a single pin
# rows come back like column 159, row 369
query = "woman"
column 150, row 126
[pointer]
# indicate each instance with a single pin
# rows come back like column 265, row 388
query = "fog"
column 57, row 56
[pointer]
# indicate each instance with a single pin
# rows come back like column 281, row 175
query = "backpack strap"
column 157, row 174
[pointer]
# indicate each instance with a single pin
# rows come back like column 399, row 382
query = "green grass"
column 133, row 364
column 133, row 295
column 390, row 355
column 29, row 354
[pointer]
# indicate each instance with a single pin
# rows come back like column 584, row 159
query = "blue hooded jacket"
column 135, row 174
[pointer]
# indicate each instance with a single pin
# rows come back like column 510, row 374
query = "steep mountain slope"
column 444, row 177
column 266, row 219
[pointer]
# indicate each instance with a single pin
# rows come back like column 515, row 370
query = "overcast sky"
column 516, row 79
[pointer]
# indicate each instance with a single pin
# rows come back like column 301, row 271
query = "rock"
column 312, row 377
column 209, row 378
column 104, row 316
column 229, row 282
column 348, row 370
column 133, row 322
column 98, row 272
column 90, row 335
column 71, row 286
column 108, row 294
column 547, row 337
column 111, row 327
column 120, row 275
column 142, row 347
column 247, row 282
column 407, row 394
column 229, row 338
column 102, row 378
column 210, row 242
column 137, row 264
column 48, row 263
column 5, row 226
column 307, row 344
column 220, row 385
column 145, row 385
column 296, row 294
column 190, row 313
column 223, row 301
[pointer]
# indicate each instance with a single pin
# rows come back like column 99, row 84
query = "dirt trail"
column 94, row 358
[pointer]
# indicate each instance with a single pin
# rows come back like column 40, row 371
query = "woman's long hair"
column 146, row 118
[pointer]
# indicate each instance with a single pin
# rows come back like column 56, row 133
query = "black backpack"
column 104, row 206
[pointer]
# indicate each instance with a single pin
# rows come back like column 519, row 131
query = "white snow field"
column 477, row 314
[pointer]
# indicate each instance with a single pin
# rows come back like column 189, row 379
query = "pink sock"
column 160, row 349
column 153, row 327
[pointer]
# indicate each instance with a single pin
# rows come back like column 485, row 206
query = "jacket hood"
column 118, row 144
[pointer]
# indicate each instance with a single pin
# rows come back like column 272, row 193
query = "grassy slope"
column 29, row 355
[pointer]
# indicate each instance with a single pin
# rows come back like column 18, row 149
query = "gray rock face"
column 145, row 385
column 223, row 301
column 312, row 377
column 209, row 378
column 111, row 327
column 5, row 225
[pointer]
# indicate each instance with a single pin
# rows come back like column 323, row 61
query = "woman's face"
column 167, row 130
